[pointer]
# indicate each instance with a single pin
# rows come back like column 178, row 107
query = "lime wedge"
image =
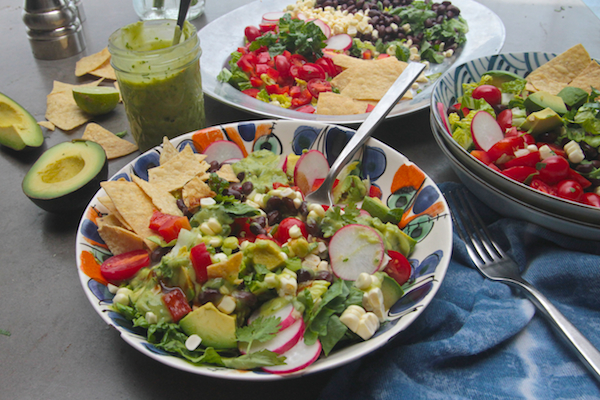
column 96, row 100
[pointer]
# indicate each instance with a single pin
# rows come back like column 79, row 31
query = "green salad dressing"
column 160, row 83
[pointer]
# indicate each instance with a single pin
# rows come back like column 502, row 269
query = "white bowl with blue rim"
column 507, row 196
column 402, row 183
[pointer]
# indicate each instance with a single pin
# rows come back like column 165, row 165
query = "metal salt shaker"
column 54, row 28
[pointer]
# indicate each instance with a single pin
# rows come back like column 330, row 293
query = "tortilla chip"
column 589, row 78
column 113, row 145
column 346, row 62
column 558, row 72
column 330, row 103
column 120, row 240
column 134, row 206
column 61, row 108
column 372, row 81
column 112, row 210
column 47, row 124
column 177, row 171
column 194, row 191
column 108, row 219
column 168, row 151
column 226, row 172
column 91, row 62
column 105, row 71
column 164, row 201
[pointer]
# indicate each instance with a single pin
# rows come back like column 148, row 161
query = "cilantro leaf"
column 263, row 358
column 261, row 330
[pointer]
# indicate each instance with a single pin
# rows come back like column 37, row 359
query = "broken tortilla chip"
column 113, row 145
column 105, row 71
column 226, row 172
column 61, row 108
column 89, row 63
column 194, row 191
column 168, row 151
column 47, row 124
column 588, row 78
column 553, row 76
column 330, row 103
column 120, row 240
column 178, row 171
column 164, row 201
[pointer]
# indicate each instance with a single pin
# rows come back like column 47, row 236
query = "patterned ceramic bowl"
column 507, row 196
column 402, row 184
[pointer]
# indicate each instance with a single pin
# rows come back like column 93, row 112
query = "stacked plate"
column 508, row 197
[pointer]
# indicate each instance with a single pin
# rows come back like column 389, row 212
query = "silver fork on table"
column 495, row 265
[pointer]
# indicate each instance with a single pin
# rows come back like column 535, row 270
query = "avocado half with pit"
column 66, row 176
column 18, row 129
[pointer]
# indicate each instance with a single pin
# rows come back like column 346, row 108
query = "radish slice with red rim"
column 311, row 166
column 342, row 41
column 485, row 130
column 272, row 17
column 287, row 315
column 283, row 341
column 297, row 358
column 222, row 150
column 323, row 25
column 355, row 249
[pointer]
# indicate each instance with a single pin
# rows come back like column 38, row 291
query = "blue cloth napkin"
column 480, row 339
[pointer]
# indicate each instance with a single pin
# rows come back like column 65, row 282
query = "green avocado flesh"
column 66, row 176
column 18, row 128
column 499, row 77
column 216, row 329
column 540, row 100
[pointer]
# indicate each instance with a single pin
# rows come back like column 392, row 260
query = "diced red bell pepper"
column 168, row 226
column 398, row 267
column 263, row 57
column 124, row 266
column 176, row 303
column 261, row 69
column 201, row 259
column 520, row 173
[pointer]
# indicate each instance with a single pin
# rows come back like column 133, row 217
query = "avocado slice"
column 392, row 291
column 573, row 97
column 18, row 128
column 216, row 328
column 499, row 77
column 377, row 209
column 541, row 121
column 539, row 100
column 66, row 176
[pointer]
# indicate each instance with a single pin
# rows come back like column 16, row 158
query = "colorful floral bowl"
column 507, row 196
column 402, row 184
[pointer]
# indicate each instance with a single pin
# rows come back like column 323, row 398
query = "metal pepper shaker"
column 54, row 28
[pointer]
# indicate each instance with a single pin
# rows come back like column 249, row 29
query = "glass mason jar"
column 160, row 83
column 166, row 9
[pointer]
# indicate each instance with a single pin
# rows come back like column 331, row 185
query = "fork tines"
column 472, row 230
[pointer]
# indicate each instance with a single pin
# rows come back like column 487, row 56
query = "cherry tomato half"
column 317, row 86
column 519, row 173
column 309, row 71
column 591, row 199
column 542, row 186
column 569, row 189
column 124, row 266
column 553, row 169
column 506, row 146
column 282, row 65
column 398, row 267
column 528, row 160
column 252, row 33
column 489, row 93
column 282, row 234
column 505, row 119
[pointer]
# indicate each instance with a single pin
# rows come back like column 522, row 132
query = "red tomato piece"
column 264, row 28
column 251, row 92
column 168, row 226
column 309, row 71
column 263, row 57
column 574, row 175
column 304, row 98
column 247, row 62
column 176, row 303
column 591, row 199
column 556, row 149
column 374, row 191
column 308, row 109
column 276, row 89
column 282, row 64
column 506, row 146
column 553, row 169
column 201, row 259
column 295, row 91
column 328, row 66
column 298, row 60
column 569, row 189
column 528, row 160
column 282, row 234
column 481, row 156
column 252, row 33
column 370, row 107
column 489, row 93
column 256, row 81
column 398, row 267
column 542, row 186
column 317, row 86
column 520, row 173
column 505, row 119
column 124, row 266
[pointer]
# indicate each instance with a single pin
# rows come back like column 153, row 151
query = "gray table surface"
column 58, row 347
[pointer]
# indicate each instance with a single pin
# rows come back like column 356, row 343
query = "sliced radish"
column 287, row 314
column 231, row 161
column 284, row 340
column 355, row 249
column 485, row 130
column 444, row 117
column 222, row 150
column 301, row 16
column 272, row 17
column 297, row 358
column 323, row 25
column 342, row 41
column 311, row 166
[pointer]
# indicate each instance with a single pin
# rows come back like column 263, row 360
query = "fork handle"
column 585, row 350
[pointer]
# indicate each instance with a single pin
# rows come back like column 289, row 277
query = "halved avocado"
column 18, row 128
column 66, row 176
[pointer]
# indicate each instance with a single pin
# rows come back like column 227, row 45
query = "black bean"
column 241, row 176
column 289, row 205
column 247, row 187
column 303, row 275
column 158, row 253
column 584, row 168
column 214, row 166
column 246, row 298
column 260, row 220
column 324, row 276
column 274, row 203
column 596, row 163
column 313, row 229
column 256, row 229
column 547, row 137
column 274, row 217
column 590, row 151
column 207, row 295
column 303, row 209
